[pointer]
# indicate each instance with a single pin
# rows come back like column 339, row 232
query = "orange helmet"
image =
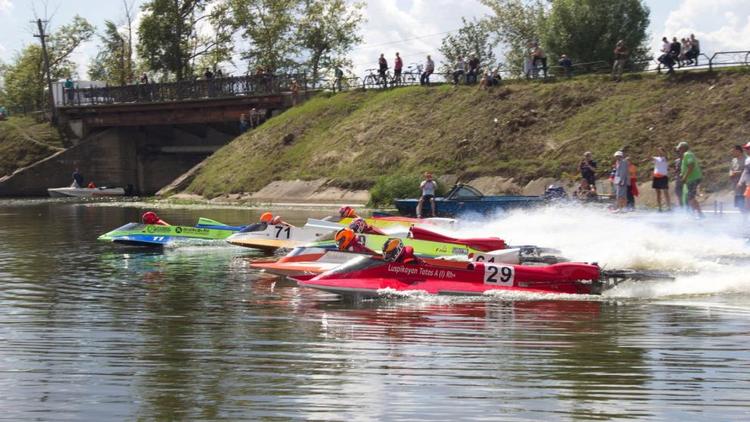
column 392, row 249
column 149, row 217
column 347, row 212
column 266, row 217
column 344, row 238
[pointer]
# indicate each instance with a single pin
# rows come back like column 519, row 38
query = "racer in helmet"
column 359, row 225
column 347, row 212
column 150, row 217
column 269, row 218
column 395, row 251
column 347, row 241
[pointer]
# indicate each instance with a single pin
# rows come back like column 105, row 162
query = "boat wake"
column 710, row 256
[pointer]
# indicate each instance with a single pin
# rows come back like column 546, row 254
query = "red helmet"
column 149, row 217
column 359, row 225
column 346, row 212
column 344, row 238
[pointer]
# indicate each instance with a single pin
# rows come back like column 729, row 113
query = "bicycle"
column 374, row 80
column 412, row 74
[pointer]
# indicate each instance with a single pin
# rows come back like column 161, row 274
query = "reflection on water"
column 93, row 331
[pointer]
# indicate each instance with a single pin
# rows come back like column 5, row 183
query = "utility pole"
column 42, row 36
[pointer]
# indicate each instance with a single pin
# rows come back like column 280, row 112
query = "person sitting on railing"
column 694, row 52
column 429, row 68
column 566, row 64
column 674, row 51
column 665, row 58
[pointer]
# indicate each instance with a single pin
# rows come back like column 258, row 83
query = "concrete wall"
column 147, row 158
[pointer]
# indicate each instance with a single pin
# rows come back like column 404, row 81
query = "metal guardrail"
column 234, row 86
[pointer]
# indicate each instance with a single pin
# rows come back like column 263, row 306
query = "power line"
column 367, row 46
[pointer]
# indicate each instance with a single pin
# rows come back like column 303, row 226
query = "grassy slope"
column 23, row 141
column 541, row 130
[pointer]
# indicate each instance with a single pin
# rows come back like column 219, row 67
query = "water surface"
column 92, row 331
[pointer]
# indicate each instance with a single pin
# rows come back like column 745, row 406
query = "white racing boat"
column 71, row 192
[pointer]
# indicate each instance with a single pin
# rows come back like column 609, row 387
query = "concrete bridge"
column 147, row 135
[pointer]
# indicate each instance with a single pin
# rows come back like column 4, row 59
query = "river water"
column 92, row 331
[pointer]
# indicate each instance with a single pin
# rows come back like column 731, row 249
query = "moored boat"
column 71, row 192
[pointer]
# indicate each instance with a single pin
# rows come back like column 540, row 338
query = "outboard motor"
column 553, row 193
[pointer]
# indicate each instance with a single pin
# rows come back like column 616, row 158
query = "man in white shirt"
column 428, row 187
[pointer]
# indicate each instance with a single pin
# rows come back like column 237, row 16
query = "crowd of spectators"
column 684, row 52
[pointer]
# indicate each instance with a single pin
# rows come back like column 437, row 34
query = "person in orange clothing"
column 347, row 212
column 346, row 241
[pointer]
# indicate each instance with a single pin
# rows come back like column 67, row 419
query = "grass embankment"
column 522, row 130
column 23, row 141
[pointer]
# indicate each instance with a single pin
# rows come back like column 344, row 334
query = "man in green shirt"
column 691, row 175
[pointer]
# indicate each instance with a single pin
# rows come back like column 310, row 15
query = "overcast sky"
column 412, row 27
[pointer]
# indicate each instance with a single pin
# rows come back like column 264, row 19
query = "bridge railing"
column 234, row 86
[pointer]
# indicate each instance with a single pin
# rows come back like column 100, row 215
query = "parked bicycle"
column 412, row 74
column 374, row 80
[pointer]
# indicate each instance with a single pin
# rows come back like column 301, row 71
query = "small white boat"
column 84, row 192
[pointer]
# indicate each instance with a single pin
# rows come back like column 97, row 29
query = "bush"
column 388, row 188
column 397, row 186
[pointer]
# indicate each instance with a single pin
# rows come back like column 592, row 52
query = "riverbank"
column 516, row 137
column 24, row 141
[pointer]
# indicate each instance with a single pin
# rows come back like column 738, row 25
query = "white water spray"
column 708, row 256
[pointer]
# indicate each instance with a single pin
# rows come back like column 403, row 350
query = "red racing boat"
column 370, row 277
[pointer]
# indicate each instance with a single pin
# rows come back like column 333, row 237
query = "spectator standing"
column 745, row 177
column 69, row 89
column 429, row 68
column 244, row 123
column 471, row 77
column 528, row 61
column 398, row 66
column 428, row 187
column 339, row 75
column 208, row 74
column 633, row 190
column 660, row 181
column 294, row 88
column 677, row 167
column 382, row 69
column 459, row 70
column 539, row 58
column 735, row 173
column 621, row 53
column 144, row 78
column 588, row 169
column 690, row 171
column 566, row 64
column 621, row 181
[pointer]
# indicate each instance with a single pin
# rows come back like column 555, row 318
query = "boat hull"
column 84, row 192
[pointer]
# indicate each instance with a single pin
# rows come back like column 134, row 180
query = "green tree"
column 167, row 35
column 516, row 23
column 269, row 27
column 587, row 30
column 110, row 63
column 24, row 77
column 472, row 39
column 327, row 31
